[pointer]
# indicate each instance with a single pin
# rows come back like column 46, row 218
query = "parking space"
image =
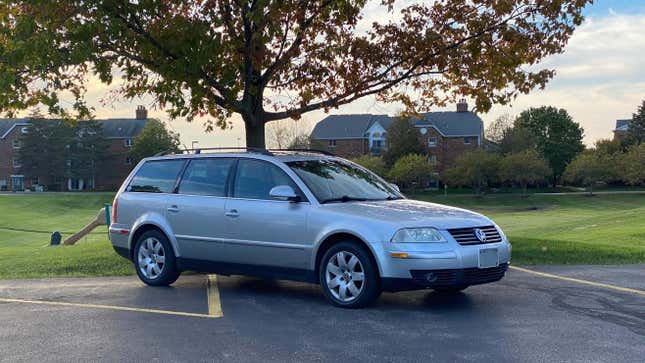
column 525, row 317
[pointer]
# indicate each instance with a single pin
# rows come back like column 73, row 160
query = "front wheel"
column 348, row 276
column 155, row 260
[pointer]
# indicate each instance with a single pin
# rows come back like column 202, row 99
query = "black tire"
column 450, row 290
column 370, row 286
column 169, row 272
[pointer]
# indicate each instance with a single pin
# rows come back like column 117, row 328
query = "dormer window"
column 24, row 130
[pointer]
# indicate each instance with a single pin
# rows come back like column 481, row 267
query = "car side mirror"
column 395, row 187
column 284, row 192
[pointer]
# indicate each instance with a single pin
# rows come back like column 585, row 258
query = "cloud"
column 600, row 76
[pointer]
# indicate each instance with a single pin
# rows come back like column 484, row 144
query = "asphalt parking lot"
column 585, row 314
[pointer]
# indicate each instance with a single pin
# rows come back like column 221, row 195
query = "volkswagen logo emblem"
column 481, row 235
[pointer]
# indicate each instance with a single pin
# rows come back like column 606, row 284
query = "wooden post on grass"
column 98, row 221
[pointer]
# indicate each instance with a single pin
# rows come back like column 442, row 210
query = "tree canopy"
column 476, row 169
column 411, row 171
column 154, row 138
column 273, row 59
column 557, row 137
column 636, row 133
column 524, row 168
column 402, row 139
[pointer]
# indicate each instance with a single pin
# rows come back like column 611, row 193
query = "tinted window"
column 256, row 178
column 206, row 177
column 156, row 176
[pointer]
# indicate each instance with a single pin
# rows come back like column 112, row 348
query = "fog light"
column 431, row 277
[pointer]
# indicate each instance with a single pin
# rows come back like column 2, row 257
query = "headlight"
column 406, row 235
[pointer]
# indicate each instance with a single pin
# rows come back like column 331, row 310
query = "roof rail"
column 199, row 150
column 248, row 149
column 313, row 151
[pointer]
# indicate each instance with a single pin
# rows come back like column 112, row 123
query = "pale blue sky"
column 600, row 78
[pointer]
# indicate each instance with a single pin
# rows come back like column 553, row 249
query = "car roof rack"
column 243, row 148
column 199, row 150
column 312, row 151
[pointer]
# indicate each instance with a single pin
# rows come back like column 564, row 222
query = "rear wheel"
column 348, row 276
column 154, row 259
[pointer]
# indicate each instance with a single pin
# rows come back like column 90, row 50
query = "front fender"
column 371, row 237
column 158, row 221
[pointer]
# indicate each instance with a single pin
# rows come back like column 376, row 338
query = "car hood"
column 410, row 213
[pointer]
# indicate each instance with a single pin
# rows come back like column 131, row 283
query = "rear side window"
column 156, row 176
column 206, row 177
column 255, row 178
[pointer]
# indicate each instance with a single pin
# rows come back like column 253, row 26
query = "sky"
column 600, row 77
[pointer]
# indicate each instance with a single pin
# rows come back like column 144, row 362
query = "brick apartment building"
column 622, row 129
column 445, row 135
column 119, row 132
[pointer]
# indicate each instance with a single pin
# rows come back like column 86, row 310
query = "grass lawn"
column 544, row 229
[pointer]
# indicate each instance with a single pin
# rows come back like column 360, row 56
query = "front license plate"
column 488, row 258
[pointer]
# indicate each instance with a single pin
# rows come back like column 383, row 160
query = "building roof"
column 113, row 128
column 449, row 123
column 347, row 126
column 452, row 124
column 623, row 125
column 122, row 128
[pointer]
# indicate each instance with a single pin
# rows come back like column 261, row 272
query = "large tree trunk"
column 254, row 134
column 254, row 121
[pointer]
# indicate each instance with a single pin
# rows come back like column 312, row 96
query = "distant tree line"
column 56, row 150
column 540, row 147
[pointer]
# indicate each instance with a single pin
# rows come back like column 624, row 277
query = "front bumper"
column 445, row 278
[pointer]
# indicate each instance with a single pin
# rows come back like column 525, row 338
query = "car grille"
column 469, row 276
column 466, row 236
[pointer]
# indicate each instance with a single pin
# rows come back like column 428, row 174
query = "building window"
column 16, row 144
column 24, row 130
column 332, row 143
column 34, row 180
column 127, row 142
column 467, row 140
column 432, row 159
column 128, row 161
column 432, row 141
column 16, row 163
column 68, row 163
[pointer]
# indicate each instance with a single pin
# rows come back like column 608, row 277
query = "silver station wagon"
column 297, row 215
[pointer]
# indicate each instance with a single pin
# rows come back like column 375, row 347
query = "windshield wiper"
column 343, row 199
column 393, row 197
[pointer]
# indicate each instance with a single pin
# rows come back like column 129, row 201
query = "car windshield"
column 340, row 181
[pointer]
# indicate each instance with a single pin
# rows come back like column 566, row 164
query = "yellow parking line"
column 106, row 307
column 214, row 304
column 580, row 281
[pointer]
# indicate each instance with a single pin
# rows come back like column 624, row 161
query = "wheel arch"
column 143, row 228
column 338, row 237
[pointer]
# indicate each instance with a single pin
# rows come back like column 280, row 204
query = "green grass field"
column 544, row 229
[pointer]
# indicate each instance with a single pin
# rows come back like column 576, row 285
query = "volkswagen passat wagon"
column 298, row 216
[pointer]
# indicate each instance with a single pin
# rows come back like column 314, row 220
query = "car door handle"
column 173, row 208
column 232, row 213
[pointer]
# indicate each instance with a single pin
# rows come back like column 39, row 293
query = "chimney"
column 462, row 106
column 142, row 113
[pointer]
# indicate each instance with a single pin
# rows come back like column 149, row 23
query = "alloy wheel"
column 151, row 258
column 345, row 276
